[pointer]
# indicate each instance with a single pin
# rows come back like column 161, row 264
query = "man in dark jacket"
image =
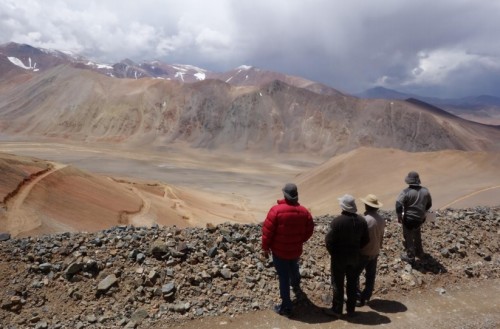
column 287, row 226
column 411, row 207
column 347, row 235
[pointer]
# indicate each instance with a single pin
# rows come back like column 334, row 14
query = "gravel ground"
column 154, row 277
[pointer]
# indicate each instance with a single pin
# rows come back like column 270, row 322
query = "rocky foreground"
column 134, row 277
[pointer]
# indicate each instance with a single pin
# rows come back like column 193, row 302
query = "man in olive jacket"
column 347, row 235
column 287, row 227
column 411, row 207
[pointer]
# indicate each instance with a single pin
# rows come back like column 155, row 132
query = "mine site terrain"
column 138, row 202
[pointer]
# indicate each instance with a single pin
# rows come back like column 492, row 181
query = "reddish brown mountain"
column 172, row 114
column 82, row 105
column 38, row 60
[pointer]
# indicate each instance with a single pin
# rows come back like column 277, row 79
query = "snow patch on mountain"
column 182, row 70
column 180, row 75
column 99, row 66
column 16, row 61
column 186, row 67
column 200, row 76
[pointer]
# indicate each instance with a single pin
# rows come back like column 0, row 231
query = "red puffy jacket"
column 286, row 228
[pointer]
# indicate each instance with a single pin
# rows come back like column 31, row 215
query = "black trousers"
column 344, row 270
column 413, row 241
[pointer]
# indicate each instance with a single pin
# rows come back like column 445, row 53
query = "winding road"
column 469, row 195
column 15, row 211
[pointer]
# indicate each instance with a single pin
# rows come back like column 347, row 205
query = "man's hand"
column 265, row 254
column 400, row 219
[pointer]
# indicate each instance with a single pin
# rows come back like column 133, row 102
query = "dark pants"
column 369, row 265
column 288, row 275
column 344, row 269
column 412, row 242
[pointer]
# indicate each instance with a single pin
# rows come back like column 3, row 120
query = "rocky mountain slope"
column 482, row 108
column 53, row 94
column 137, row 277
column 21, row 57
column 26, row 57
column 81, row 105
column 134, row 274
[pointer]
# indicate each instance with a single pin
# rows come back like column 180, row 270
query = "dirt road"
column 16, row 215
column 466, row 306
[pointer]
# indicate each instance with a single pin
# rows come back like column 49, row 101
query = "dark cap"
column 412, row 178
column 290, row 192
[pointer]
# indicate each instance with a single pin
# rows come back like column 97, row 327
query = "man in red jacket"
column 287, row 226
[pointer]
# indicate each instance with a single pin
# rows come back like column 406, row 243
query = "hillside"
column 81, row 105
column 483, row 108
column 131, row 194
column 90, row 189
column 456, row 179
column 160, row 277
column 24, row 57
column 40, row 197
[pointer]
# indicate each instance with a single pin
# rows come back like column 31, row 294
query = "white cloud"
column 436, row 66
column 450, row 72
column 349, row 45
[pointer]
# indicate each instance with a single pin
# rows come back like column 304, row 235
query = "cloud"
column 349, row 45
column 447, row 72
column 435, row 67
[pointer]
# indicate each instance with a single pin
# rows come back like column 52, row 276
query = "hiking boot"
column 423, row 255
column 283, row 311
column 299, row 294
column 361, row 302
column 333, row 312
column 409, row 260
column 351, row 314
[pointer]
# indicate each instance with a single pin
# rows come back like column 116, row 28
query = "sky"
column 440, row 48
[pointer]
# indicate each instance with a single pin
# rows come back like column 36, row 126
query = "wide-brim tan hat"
column 372, row 201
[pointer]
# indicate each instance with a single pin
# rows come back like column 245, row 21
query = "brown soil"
column 471, row 305
column 182, row 186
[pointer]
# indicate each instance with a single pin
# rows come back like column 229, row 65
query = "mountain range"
column 226, row 139
column 61, row 96
column 481, row 108
column 34, row 59
column 139, row 167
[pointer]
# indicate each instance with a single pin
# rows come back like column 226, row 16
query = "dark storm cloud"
column 445, row 48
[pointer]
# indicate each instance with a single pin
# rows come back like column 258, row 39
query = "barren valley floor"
column 242, row 186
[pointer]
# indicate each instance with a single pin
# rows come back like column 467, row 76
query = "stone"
column 212, row 252
column 107, row 283
column 168, row 289
column 73, row 268
column 139, row 315
column 45, row 267
column 220, row 270
column 159, row 249
column 41, row 325
column 226, row 273
column 91, row 318
column 4, row 236
column 180, row 307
